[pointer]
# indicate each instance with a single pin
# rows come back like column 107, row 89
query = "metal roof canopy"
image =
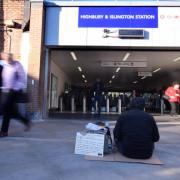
column 108, row 3
column 90, row 62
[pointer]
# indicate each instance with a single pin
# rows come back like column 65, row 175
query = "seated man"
column 136, row 131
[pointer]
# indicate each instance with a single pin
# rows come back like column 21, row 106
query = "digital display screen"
column 131, row 33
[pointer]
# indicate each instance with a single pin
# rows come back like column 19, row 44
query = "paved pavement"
column 47, row 153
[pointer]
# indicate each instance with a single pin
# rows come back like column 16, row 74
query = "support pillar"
column 36, row 65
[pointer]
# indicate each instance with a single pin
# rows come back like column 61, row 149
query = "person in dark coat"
column 98, row 89
column 136, row 131
column 1, row 69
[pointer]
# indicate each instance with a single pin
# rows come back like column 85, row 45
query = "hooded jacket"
column 136, row 131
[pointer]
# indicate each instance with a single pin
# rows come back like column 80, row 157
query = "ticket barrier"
column 84, row 105
column 162, row 106
column 73, row 104
column 119, row 106
column 107, row 105
column 61, row 104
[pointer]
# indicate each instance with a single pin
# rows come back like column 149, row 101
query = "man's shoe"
column 3, row 134
column 28, row 126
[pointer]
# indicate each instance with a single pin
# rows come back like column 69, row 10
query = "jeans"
column 134, row 154
column 173, row 108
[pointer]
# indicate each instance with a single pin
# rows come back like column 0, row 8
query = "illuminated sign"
column 146, row 74
column 118, row 17
column 125, row 64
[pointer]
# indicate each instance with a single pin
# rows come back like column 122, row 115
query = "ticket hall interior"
column 124, row 74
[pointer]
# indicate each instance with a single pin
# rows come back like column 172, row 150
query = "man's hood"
column 137, row 103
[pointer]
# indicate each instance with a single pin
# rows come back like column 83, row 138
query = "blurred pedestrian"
column 172, row 94
column 1, row 68
column 13, row 84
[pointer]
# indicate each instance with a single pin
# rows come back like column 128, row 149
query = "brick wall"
column 11, row 10
column 14, row 10
column 35, row 66
column 1, row 28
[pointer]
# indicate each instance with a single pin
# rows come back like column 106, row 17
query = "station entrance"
column 124, row 74
column 131, row 55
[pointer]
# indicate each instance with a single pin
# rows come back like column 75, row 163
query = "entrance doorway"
column 74, row 72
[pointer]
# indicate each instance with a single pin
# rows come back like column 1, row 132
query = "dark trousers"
column 174, row 109
column 97, row 99
column 132, row 154
column 10, row 110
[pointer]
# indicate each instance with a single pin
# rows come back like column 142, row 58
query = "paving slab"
column 47, row 153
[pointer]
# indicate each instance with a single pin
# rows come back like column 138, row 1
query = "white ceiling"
column 90, row 61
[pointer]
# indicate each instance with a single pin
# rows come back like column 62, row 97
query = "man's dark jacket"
column 135, row 133
column 98, row 88
column 1, row 68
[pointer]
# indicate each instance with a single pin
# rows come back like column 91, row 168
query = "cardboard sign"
column 89, row 144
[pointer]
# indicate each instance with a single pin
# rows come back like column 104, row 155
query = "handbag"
column 166, row 97
column 21, row 97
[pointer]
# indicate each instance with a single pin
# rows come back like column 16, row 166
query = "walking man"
column 13, row 82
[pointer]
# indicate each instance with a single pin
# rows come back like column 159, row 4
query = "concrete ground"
column 47, row 153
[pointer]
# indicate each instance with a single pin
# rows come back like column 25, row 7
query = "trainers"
column 3, row 134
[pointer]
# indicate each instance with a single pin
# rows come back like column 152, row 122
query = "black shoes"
column 3, row 134
column 28, row 126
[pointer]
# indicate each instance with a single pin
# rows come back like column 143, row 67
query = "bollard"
column 107, row 105
column 72, row 104
column 119, row 106
column 162, row 106
column 61, row 104
column 84, row 104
